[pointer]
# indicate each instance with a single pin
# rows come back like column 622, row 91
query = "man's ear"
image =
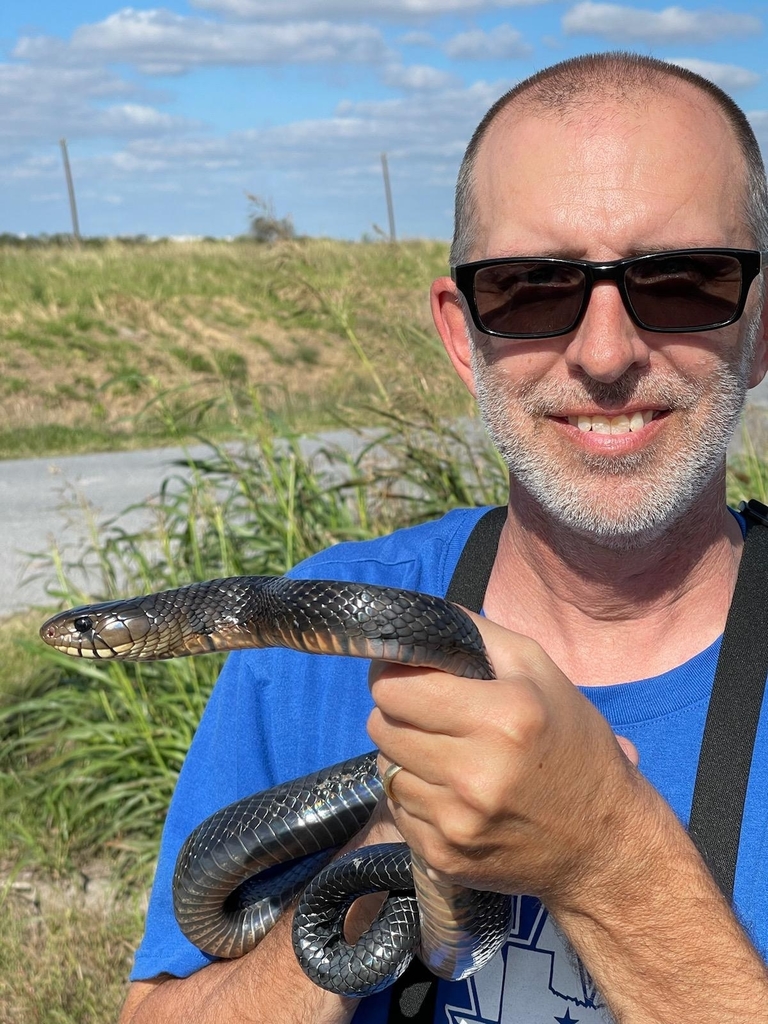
column 448, row 314
column 760, row 358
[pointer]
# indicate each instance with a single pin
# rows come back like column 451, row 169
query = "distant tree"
column 264, row 223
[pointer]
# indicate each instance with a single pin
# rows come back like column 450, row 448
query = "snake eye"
column 83, row 624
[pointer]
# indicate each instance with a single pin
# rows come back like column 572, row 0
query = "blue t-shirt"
column 276, row 715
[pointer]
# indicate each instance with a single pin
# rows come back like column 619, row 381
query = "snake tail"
column 384, row 951
column 461, row 929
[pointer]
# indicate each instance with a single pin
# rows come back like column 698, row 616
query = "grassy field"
column 125, row 345
column 116, row 347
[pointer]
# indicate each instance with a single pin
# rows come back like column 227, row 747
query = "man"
column 614, row 574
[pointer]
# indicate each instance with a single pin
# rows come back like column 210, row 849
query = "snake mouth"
column 77, row 639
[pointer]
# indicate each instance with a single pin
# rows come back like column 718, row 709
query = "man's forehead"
column 606, row 154
column 591, row 117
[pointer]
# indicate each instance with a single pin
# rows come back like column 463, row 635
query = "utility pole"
column 388, row 194
column 71, row 191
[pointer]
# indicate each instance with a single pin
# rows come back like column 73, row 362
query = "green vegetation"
column 116, row 345
column 64, row 963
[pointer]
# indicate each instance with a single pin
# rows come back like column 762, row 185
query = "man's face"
column 612, row 429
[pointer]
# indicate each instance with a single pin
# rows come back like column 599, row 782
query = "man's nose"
column 606, row 343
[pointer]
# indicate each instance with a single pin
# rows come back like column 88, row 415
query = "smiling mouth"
column 621, row 424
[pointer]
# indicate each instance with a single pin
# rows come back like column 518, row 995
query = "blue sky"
column 174, row 113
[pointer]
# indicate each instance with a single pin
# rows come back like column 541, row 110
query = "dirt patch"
column 92, row 890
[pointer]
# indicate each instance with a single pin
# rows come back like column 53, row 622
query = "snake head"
column 107, row 630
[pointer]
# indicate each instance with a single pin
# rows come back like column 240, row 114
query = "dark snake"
column 243, row 866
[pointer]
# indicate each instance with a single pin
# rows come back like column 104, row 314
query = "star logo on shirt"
column 567, row 1019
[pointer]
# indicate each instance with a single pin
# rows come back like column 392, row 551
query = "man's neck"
column 609, row 616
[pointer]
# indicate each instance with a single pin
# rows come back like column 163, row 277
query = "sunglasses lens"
column 684, row 291
column 529, row 298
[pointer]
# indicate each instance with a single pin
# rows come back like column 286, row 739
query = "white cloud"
column 161, row 42
column 31, row 168
column 43, row 103
column 20, row 82
column 422, row 129
column 392, row 9
column 727, row 76
column 672, row 25
column 425, row 126
column 330, row 163
column 126, row 162
column 498, row 44
column 123, row 118
column 95, row 196
column 417, row 77
column 153, row 156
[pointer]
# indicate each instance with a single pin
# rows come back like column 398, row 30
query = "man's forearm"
column 660, row 941
column 265, row 986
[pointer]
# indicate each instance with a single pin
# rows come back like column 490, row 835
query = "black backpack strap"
column 414, row 994
column 473, row 569
column 734, row 710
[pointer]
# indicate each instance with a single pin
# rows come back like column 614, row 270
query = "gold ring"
column 387, row 777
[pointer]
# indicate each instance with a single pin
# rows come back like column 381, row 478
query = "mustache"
column 549, row 399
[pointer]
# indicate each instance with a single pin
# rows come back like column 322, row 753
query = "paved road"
column 42, row 501
column 55, row 501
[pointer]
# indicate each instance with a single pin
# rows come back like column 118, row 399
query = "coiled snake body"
column 239, row 869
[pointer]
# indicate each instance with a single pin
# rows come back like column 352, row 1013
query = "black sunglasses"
column 668, row 292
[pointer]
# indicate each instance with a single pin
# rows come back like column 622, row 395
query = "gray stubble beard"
column 655, row 495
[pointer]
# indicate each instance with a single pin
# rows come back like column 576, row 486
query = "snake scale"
column 242, row 867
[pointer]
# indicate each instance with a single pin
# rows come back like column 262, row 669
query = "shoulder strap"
column 734, row 710
column 414, row 994
column 473, row 569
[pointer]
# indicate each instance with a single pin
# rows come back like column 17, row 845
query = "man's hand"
column 515, row 784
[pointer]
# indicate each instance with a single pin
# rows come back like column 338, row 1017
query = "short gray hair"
column 561, row 89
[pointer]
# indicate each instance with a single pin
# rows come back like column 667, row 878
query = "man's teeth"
column 612, row 424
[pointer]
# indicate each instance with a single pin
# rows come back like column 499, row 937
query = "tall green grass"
column 747, row 472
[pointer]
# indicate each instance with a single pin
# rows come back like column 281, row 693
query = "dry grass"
column 127, row 345
column 65, row 954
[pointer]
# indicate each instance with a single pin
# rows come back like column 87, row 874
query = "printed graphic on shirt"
column 535, row 978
